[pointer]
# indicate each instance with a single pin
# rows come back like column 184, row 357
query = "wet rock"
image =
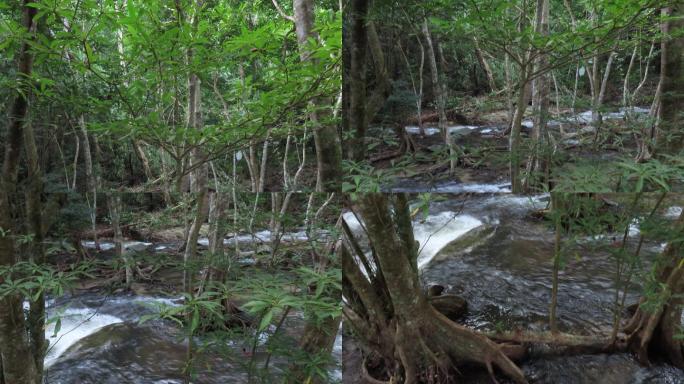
column 631, row 309
column 466, row 243
column 452, row 306
column 588, row 129
column 435, row 290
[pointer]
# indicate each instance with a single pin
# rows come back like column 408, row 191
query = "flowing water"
column 100, row 339
column 503, row 268
column 491, row 251
column 581, row 118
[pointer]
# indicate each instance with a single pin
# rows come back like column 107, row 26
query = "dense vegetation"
column 539, row 93
column 243, row 163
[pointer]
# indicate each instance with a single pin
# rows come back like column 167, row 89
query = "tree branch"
column 281, row 12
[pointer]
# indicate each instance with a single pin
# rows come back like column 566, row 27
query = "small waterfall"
column 75, row 325
column 438, row 231
column 433, row 233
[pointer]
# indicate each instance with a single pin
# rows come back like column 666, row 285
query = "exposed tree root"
column 656, row 331
column 367, row 376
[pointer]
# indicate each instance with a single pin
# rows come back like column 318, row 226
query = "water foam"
column 438, row 231
column 75, row 325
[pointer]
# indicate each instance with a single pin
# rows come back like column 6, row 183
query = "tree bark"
column 36, row 316
column 358, row 120
column 485, row 65
column 114, row 200
column 514, row 142
column 326, row 138
column 670, row 132
column 91, row 181
column 656, row 325
column 17, row 357
column 439, row 94
column 537, row 162
column 415, row 339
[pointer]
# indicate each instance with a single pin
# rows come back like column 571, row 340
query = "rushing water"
column 581, row 118
column 489, row 250
column 101, row 340
column 503, row 268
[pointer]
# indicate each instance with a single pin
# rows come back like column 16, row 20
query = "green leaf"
column 266, row 320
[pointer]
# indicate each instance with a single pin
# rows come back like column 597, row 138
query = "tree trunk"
column 438, row 90
column 319, row 334
column 598, row 99
column 670, row 132
column 656, row 326
column 538, row 162
column 326, row 139
column 17, row 357
column 357, row 111
column 414, row 340
column 419, row 101
column 36, row 316
column 216, row 269
column 198, row 179
column 485, row 65
column 383, row 85
column 114, row 201
column 140, row 153
column 91, row 182
column 514, row 142
column 509, row 90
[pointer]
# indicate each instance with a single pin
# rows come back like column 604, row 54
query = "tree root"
column 367, row 376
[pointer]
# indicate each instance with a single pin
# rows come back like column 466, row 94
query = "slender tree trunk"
column 91, row 181
column 419, row 101
column 514, row 142
column 538, row 162
column 217, row 232
column 485, row 65
column 598, row 101
column 198, row 179
column 671, row 132
column 357, row 98
column 115, row 207
column 264, row 162
column 144, row 161
column 439, row 94
column 77, row 152
column 625, row 81
column 36, row 317
column 235, row 207
column 328, row 159
column 509, row 90
column 383, row 84
column 18, row 358
column 326, row 139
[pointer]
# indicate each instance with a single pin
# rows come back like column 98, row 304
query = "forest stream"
column 101, row 338
column 572, row 131
column 491, row 251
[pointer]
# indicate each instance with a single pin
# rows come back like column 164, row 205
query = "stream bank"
column 499, row 258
